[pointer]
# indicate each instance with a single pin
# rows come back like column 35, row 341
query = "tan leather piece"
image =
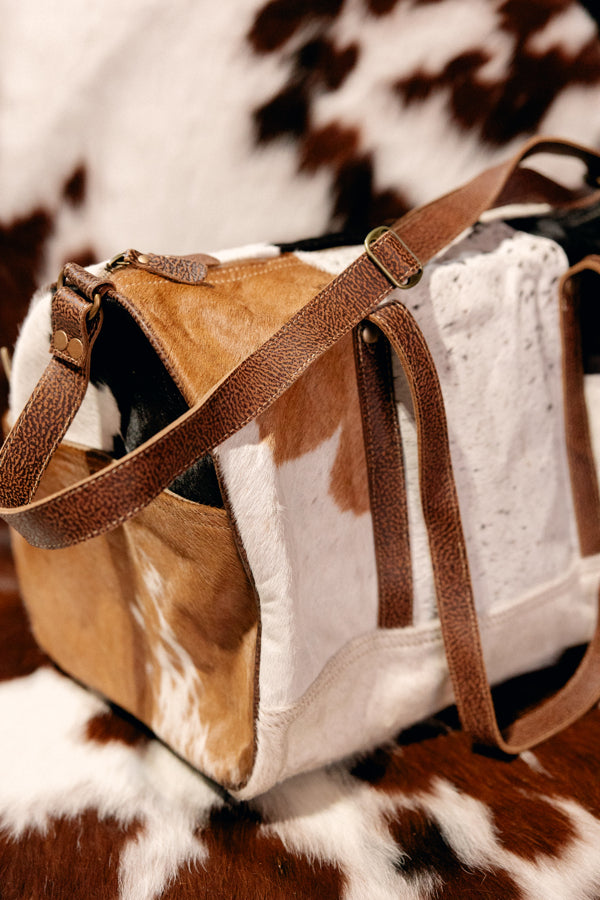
column 584, row 482
column 387, row 485
column 172, row 588
column 235, row 311
column 103, row 501
column 456, row 607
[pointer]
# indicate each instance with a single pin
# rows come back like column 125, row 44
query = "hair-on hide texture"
column 162, row 127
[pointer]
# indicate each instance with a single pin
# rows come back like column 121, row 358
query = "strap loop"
column 407, row 282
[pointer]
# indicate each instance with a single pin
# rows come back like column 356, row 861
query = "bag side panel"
column 386, row 681
column 159, row 616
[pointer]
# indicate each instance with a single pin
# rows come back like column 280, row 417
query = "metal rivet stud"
column 143, row 259
column 370, row 334
column 61, row 340
column 75, row 348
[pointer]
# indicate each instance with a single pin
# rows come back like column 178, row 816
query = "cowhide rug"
column 186, row 126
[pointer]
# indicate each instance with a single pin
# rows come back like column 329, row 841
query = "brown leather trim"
column 584, row 481
column 456, row 607
column 103, row 501
column 180, row 269
column 387, row 487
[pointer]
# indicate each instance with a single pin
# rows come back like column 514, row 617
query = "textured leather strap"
column 458, row 616
column 114, row 494
column 109, row 497
column 385, row 469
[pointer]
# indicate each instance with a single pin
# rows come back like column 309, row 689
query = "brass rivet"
column 75, row 348
column 370, row 334
column 143, row 259
column 60, row 340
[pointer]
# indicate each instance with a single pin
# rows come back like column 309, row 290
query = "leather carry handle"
column 456, row 606
column 111, row 496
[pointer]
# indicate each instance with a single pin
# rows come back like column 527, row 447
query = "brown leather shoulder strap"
column 458, row 616
column 115, row 493
column 107, row 498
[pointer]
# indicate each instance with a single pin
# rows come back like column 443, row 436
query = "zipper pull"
column 181, row 269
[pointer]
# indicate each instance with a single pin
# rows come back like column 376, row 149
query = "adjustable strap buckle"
column 405, row 283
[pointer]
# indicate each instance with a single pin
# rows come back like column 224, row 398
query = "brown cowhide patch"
column 317, row 66
column 322, row 401
column 426, row 855
column 268, row 870
column 76, row 858
column 23, row 244
column 117, row 725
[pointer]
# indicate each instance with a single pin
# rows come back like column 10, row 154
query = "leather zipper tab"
column 180, row 269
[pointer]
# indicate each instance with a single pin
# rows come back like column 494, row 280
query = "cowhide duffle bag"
column 282, row 503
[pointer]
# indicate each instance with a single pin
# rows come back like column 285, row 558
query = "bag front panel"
column 490, row 313
column 159, row 616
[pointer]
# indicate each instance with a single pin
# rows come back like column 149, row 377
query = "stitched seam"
column 262, row 270
column 402, row 638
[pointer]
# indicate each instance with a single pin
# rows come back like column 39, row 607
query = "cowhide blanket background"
column 184, row 126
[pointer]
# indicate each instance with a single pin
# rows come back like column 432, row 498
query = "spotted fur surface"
column 166, row 128
column 172, row 130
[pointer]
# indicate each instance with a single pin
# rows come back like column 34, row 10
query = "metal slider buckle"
column 95, row 301
column 406, row 282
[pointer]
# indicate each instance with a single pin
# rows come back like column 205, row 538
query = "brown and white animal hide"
column 92, row 806
column 186, row 126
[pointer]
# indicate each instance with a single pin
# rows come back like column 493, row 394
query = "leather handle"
column 456, row 607
column 429, row 228
column 109, row 497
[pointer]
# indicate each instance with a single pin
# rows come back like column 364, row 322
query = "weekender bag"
column 283, row 502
